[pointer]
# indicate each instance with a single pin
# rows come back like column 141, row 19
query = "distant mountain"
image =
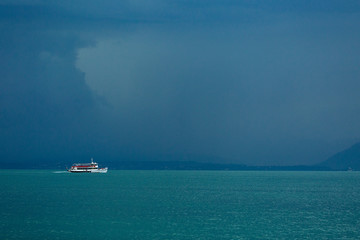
column 347, row 159
column 191, row 162
column 174, row 165
column 163, row 165
column 195, row 165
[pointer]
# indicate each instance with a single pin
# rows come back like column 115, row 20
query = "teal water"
column 179, row 205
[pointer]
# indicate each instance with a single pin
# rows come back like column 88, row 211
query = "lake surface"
column 44, row 204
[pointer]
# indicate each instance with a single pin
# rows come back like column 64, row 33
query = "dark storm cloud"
column 252, row 81
column 44, row 98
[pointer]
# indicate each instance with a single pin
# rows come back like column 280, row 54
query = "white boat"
column 92, row 167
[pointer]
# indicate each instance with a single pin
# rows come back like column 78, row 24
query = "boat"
column 92, row 167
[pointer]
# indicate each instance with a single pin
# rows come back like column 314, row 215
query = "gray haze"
column 254, row 82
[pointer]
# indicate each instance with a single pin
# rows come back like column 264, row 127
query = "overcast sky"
column 246, row 81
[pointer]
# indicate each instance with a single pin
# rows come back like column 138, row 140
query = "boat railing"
column 85, row 164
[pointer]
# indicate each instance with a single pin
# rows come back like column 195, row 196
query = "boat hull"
column 100, row 170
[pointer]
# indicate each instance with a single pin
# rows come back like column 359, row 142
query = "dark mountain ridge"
column 349, row 159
